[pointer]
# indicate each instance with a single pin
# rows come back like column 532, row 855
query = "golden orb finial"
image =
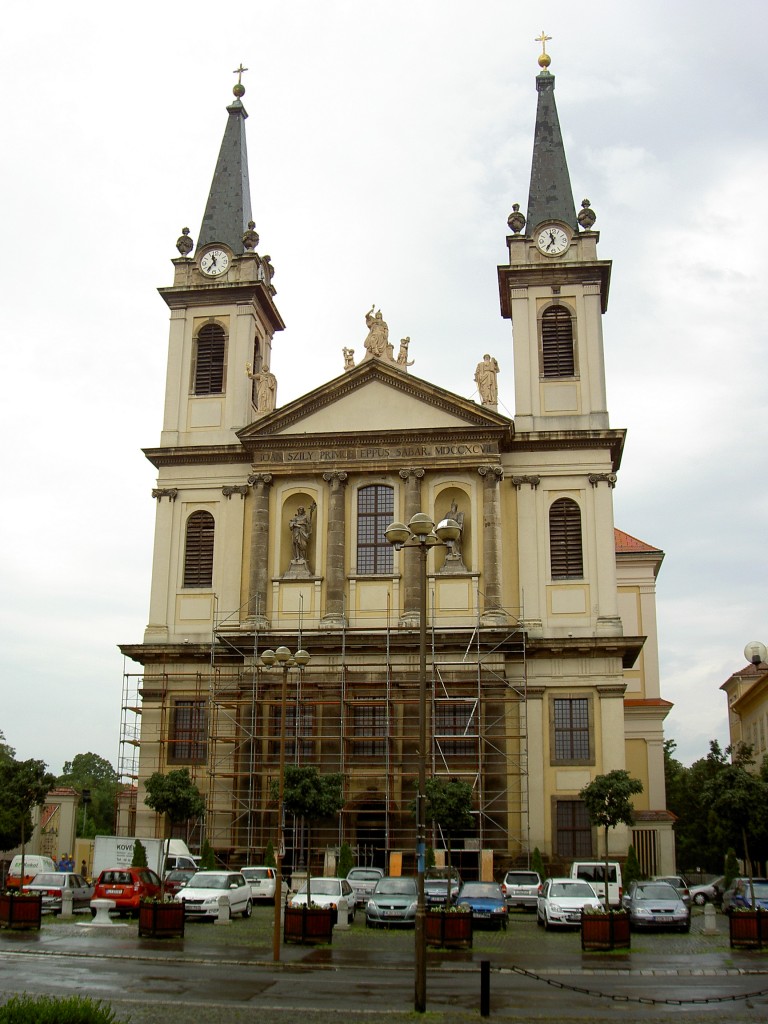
column 239, row 88
column 544, row 59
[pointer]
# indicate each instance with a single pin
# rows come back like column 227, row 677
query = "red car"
column 174, row 880
column 127, row 887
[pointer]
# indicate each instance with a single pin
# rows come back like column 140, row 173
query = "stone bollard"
column 102, row 908
column 224, row 916
column 66, row 903
column 342, row 914
column 710, row 920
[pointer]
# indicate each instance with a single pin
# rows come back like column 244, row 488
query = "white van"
column 33, row 865
column 593, row 871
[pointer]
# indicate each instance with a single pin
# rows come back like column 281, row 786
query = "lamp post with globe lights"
column 422, row 534
column 286, row 661
column 756, row 653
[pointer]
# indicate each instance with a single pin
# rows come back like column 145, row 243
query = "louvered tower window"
column 565, row 540
column 375, row 511
column 557, row 342
column 209, row 360
column 198, row 551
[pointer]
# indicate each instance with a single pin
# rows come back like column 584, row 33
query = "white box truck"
column 117, row 852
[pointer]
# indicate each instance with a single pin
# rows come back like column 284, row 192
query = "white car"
column 561, row 901
column 326, row 892
column 201, row 894
column 262, row 881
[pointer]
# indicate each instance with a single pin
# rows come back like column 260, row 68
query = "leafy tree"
column 139, row 859
column 607, row 799
column 23, row 785
column 345, row 862
column 7, row 753
column 314, row 796
column 449, row 803
column 731, row 868
column 269, row 856
column 537, row 864
column 176, row 796
column 95, row 775
column 632, row 871
column 207, row 859
column 701, row 840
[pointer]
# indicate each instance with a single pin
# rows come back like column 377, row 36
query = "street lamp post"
column 421, row 533
column 286, row 661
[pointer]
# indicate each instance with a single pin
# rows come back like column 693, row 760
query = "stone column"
column 334, row 559
column 410, row 563
column 608, row 620
column 259, row 578
column 493, row 613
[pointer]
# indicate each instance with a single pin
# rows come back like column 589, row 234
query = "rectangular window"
column 571, row 730
column 456, row 728
column 573, row 832
column 375, row 511
column 369, row 730
column 299, row 726
column 188, row 741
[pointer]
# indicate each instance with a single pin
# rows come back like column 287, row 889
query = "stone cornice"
column 543, row 275
column 568, row 440
column 192, row 455
column 627, row 648
column 224, row 294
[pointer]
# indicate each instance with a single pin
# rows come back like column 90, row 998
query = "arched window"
column 565, row 547
column 209, row 360
column 557, row 342
column 198, row 550
column 375, row 511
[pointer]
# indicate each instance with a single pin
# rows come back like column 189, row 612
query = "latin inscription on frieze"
column 378, row 454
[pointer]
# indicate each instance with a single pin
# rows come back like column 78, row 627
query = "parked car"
column 521, row 889
column 486, row 901
column 177, row 878
column 561, row 901
column 739, row 894
column 678, row 882
column 326, row 892
column 127, row 887
column 593, row 871
column 708, row 892
column 363, row 882
column 262, row 880
column 53, row 884
column 657, row 904
column 393, row 901
column 436, row 886
column 202, row 892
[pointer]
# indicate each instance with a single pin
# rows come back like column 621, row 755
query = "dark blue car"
column 486, row 902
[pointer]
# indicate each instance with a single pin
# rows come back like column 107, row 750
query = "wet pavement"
column 366, row 975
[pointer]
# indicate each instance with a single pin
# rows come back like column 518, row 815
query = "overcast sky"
column 387, row 143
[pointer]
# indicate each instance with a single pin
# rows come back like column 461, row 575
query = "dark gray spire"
column 550, row 196
column 228, row 209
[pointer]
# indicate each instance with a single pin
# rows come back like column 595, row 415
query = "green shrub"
column 207, row 859
column 537, row 864
column 632, row 871
column 26, row 1009
column 139, row 859
column 269, row 856
column 346, row 861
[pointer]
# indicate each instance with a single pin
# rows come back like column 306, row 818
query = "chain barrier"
column 645, row 1000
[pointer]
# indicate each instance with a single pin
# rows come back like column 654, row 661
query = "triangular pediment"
column 374, row 398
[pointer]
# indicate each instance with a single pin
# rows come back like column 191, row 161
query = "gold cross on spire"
column 544, row 59
column 239, row 72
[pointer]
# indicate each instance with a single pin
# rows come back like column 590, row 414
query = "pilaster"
column 493, row 613
column 259, row 574
column 334, row 561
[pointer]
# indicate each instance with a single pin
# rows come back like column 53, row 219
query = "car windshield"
column 321, row 887
column 442, row 873
column 256, row 872
column 363, row 875
column 201, row 881
column 57, row 879
column 662, row 891
column 487, row 889
column 116, row 878
column 522, row 878
column 761, row 890
column 571, row 889
column 396, row 887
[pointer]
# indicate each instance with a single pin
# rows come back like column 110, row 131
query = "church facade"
column 542, row 666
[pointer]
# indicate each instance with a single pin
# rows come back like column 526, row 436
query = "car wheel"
column 248, row 909
column 547, row 925
column 699, row 899
column 93, row 912
column 539, row 922
column 368, row 923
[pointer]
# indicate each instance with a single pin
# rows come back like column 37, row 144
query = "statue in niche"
column 300, row 526
column 377, row 342
column 454, row 561
column 485, row 378
column 266, row 387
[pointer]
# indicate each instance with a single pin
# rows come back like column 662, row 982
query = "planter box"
column 308, row 925
column 605, row 931
column 748, row 929
column 449, row 930
column 21, row 912
column 161, row 920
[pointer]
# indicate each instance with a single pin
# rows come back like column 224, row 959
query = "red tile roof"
column 626, row 543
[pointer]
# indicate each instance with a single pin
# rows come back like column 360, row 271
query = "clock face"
column 552, row 241
column 214, row 262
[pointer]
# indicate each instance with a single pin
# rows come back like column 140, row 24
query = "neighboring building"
column 542, row 662
column 747, row 693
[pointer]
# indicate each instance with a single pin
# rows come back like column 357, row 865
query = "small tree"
column 306, row 792
column 269, row 856
column 345, row 862
column 449, row 803
column 632, row 870
column 731, row 869
column 537, row 864
column 176, row 796
column 608, row 804
column 139, row 859
column 23, row 785
column 207, row 860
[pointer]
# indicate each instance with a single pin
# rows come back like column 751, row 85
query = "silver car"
column 393, row 902
column 657, row 905
column 203, row 891
column 52, row 885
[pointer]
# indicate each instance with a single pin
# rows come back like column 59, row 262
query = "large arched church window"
column 198, row 550
column 375, row 511
column 565, row 548
column 209, row 360
column 557, row 351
